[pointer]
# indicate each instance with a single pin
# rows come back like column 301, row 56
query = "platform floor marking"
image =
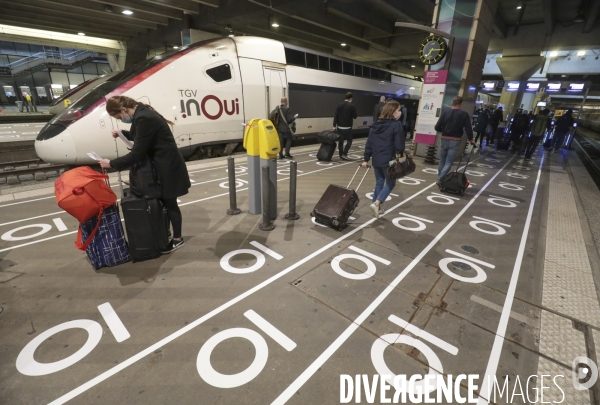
column 266, row 250
column 277, row 335
column 515, row 315
column 494, row 359
column 113, row 321
column 60, row 225
column 28, row 219
column 23, row 202
column 370, row 255
column 318, row 363
column 133, row 359
column 418, row 332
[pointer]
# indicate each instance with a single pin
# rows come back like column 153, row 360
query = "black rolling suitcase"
column 325, row 152
column 146, row 224
column 337, row 204
column 503, row 141
column 456, row 182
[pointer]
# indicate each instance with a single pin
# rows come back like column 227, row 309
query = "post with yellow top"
column 262, row 146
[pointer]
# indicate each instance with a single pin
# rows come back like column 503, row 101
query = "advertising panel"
column 432, row 97
column 41, row 92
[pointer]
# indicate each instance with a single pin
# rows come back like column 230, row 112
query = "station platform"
column 501, row 283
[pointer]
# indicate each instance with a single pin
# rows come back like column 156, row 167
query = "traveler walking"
column 386, row 140
column 152, row 138
column 343, row 118
column 377, row 108
column 452, row 123
column 538, row 129
column 483, row 119
column 283, row 119
column 564, row 123
column 518, row 129
column 411, row 118
column 496, row 118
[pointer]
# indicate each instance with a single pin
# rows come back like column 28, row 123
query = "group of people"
column 408, row 116
column 485, row 119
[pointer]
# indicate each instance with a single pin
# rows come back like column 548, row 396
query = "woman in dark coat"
column 386, row 140
column 152, row 138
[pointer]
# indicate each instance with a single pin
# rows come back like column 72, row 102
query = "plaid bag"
column 108, row 247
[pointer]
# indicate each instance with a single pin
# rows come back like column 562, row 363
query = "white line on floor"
column 496, row 307
column 423, row 335
column 113, row 321
column 370, row 255
column 277, row 335
column 268, row 251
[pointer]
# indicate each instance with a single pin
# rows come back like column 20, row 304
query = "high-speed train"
column 72, row 95
column 210, row 89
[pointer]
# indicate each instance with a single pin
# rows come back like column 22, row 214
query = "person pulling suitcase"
column 153, row 142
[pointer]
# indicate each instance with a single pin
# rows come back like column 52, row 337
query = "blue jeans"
column 382, row 190
column 447, row 154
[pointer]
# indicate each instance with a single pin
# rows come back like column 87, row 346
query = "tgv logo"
column 209, row 102
column 585, row 373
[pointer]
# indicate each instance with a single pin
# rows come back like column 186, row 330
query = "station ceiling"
column 365, row 26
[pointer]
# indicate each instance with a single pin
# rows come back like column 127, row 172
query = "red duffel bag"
column 84, row 193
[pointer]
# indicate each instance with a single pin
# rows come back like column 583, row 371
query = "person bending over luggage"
column 451, row 124
column 283, row 118
column 386, row 140
column 152, row 138
column 344, row 116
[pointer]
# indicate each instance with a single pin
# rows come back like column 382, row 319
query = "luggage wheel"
column 335, row 223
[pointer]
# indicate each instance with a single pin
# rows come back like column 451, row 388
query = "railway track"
column 588, row 150
column 15, row 172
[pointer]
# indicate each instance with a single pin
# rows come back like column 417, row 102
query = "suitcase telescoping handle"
column 468, row 159
column 363, row 178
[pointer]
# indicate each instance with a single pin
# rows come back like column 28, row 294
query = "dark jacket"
column 152, row 137
column 563, row 123
column 540, row 125
column 496, row 117
column 453, row 122
column 386, row 139
column 411, row 114
column 483, row 119
column 285, row 112
column 377, row 111
column 344, row 115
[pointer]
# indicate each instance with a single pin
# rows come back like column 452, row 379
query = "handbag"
column 291, row 126
column 143, row 180
column 401, row 167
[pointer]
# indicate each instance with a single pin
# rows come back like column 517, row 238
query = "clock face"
column 433, row 49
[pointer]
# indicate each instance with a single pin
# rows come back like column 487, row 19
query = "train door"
column 275, row 86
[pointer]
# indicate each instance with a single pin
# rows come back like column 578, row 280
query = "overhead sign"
column 432, row 98
column 512, row 86
column 553, row 87
column 489, row 85
column 532, row 86
column 576, row 86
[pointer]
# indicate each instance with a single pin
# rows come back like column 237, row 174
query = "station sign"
column 553, row 87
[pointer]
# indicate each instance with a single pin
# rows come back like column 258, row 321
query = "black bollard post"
column 266, row 224
column 293, row 176
column 233, row 209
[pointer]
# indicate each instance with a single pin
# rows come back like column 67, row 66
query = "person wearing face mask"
column 152, row 137
column 386, row 140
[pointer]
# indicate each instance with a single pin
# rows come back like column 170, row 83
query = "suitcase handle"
column 468, row 159
column 363, row 178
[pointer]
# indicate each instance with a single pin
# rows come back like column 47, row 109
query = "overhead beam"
column 548, row 7
column 184, row 5
column 249, row 30
column 211, row 3
column 398, row 10
column 363, row 17
column 99, row 8
column 307, row 29
column 41, row 7
column 144, row 7
column 500, row 27
column 592, row 14
column 47, row 25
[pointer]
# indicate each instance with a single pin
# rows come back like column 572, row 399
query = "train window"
column 348, row 68
column 357, row 70
column 366, row 72
column 386, row 76
column 323, row 63
column 312, row 61
column 220, row 73
column 294, row 57
column 375, row 74
column 335, row 65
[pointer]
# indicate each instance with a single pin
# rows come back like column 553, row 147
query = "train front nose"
column 54, row 144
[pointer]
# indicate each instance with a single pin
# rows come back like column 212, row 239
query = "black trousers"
column 285, row 139
column 174, row 215
column 493, row 134
column 532, row 144
column 480, row 136
column 345, row 135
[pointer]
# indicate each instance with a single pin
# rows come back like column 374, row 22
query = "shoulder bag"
column 292, row 127
column 401, row 167
column 143, row 180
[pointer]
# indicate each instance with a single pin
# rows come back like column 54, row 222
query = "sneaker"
column 174, row 245
column 438, row 183
column 374, row 210
column 381, row 210
column 289, row 157
column 280, row 156
column 344, row 158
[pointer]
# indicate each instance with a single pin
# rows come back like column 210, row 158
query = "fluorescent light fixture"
column 81, row 33
column 412, row 88
column 175, row 47
column 275, row 25
column 412, row 66
column 489, row 85
column 581, row 53
column 127, row 12
column 553, row 87
column 553, row 54
column 519, row 7
column 512, row 86
column 576, row 86
column 231, row 35
column 541, row 104
column 343, row 44
column 532, row 86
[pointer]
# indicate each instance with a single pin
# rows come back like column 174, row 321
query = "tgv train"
column 209, row 89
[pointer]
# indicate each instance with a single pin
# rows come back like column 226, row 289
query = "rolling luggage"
column 147, row 226
column 503, row 141
column 456, row 182
column 337, row 204
column 107, row 246
column 328, row 136
column 325, row 152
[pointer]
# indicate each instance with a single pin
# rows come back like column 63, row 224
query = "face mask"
column 126, row 120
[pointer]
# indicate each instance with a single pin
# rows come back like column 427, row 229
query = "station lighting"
column 412, row 66
column 175, row 47
column 343, row 44
column 81, row 33
column 231, row 35
column 275, row 25
column 412, row 88
column 519, row 7
column 127, row 12
column 581, row 53
column 553, row 54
